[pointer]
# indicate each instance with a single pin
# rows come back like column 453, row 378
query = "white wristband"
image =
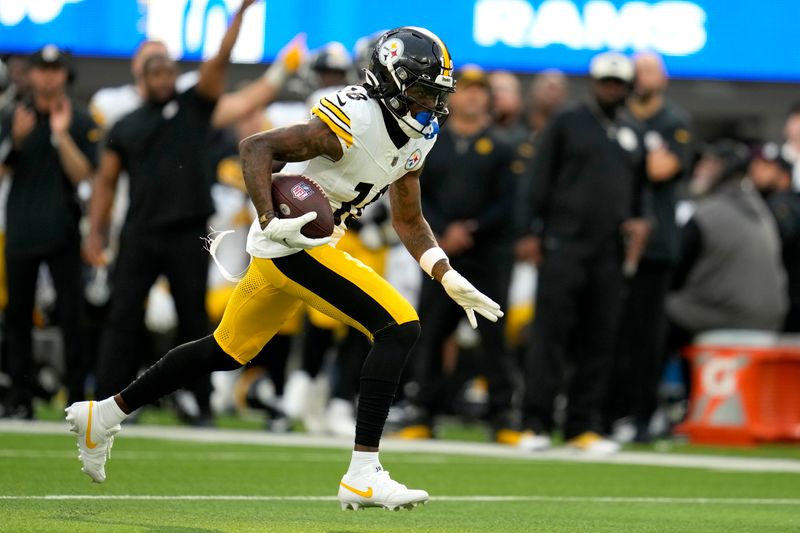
column 430, row 257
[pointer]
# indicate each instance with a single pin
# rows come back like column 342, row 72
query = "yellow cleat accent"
column 509, row 437
column 420, row 431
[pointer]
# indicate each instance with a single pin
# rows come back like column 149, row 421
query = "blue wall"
column 726, row 39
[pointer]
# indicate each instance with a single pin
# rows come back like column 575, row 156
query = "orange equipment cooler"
column 743, row 394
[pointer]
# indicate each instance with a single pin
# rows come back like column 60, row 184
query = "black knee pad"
column 403, row 335
column 390, row 352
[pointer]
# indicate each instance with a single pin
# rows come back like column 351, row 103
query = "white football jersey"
column 369, row 164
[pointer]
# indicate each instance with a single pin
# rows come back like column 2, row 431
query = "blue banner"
column 722, row 39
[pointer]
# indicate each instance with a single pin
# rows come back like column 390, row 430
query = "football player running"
column 359, row 143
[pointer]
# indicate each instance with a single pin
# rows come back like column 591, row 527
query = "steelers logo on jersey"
column 414, row 160
column 525, row 150
column 484, row 146
column 627, row 139
column 170, row 110
column 682, row 136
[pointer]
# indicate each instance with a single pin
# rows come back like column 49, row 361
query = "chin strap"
column 430, row 123
column 432, row 130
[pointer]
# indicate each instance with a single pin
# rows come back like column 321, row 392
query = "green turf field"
column 188, row 486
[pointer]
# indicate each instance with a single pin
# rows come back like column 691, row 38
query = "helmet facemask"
column 411, row 81
column 419, row 94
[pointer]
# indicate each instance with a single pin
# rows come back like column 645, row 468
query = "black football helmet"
column 411, row 65
column 332, row 56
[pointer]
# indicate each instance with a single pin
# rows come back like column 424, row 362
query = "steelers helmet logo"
column 390, row 51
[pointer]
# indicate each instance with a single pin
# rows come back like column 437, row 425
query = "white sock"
column 360, row 460
column 109, row 412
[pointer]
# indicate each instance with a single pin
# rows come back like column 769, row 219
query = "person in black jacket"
column 585, row 185
column 772, row 175
column 641, row 343
column 50, row 147
column 467, row 191
column 162, row 145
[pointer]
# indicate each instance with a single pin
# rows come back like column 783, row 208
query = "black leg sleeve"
column 379, row 378
column 180, row 366
column 315, row 343
column 273, row 357
column 352, row 354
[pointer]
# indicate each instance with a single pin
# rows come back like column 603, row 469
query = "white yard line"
column 451, row 448
column 470, row 499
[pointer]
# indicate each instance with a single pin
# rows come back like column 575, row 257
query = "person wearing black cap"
column 49, row 147
column 640, row 345
column 771, row 173
column 584, row 188
column 468, row 190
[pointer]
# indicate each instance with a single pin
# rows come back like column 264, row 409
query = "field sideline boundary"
column 475, row 449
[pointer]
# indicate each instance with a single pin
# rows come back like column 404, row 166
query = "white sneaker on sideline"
column 592, row 443
column 534, row 442
column 316, row 399
column 295, row 394
column 373, row 487
column 94, row 439
column 339, row 418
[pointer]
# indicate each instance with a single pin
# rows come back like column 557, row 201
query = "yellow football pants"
column 325, row 278
column 375, row 259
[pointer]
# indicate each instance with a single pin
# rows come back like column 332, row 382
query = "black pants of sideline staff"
column 439, row 316
column 640, row 348
column 578, row 304
column 22, row 272
column 177, row 253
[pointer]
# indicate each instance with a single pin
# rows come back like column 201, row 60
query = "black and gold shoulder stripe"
column 336, row 119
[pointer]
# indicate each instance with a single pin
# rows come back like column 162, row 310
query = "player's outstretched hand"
column 471, row 299
column 287, row 232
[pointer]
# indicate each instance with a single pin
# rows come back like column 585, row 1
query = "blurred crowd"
column 611, row 235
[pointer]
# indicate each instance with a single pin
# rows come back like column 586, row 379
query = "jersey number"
column 363, row 190
column 352, row 95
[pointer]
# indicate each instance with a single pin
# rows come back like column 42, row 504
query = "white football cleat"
column 94, row 439
column 374, row 488
column 592, row 443
column 339, row 419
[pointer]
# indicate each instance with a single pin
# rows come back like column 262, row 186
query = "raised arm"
column 416, row 235
column 77, row 166
column 261, row 92
column 211, row 84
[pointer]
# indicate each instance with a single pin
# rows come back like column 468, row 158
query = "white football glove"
column 287, row 232
column 471, row 299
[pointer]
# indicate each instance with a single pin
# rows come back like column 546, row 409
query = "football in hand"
column 294, row 195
